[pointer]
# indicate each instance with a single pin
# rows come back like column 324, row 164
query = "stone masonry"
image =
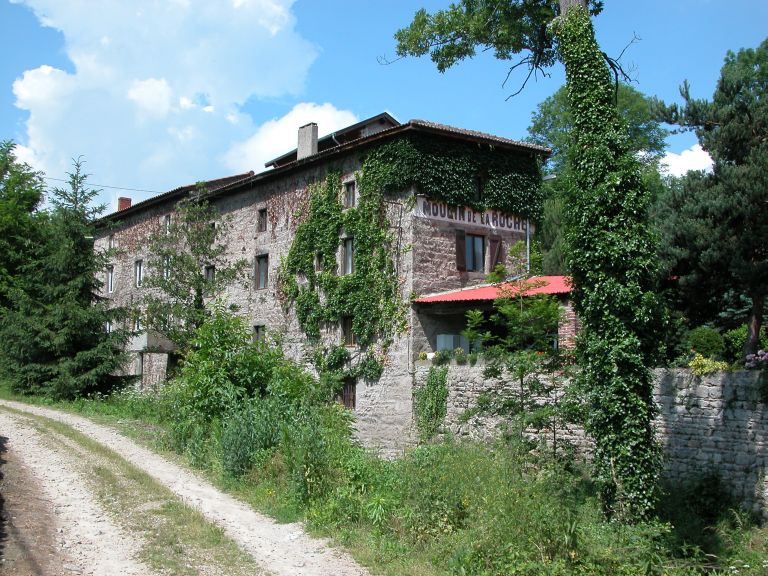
column 715, row 424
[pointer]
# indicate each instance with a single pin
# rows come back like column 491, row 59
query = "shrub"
column 249, row 435
column 706, row 341
column 460, row 356
column 701, row 366
column 734, row 343
column 442, row 357
column 431, row 402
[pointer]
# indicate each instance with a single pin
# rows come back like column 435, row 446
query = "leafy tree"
column 551, row 126
column 552, row 123
column 21, row 191
column 717, row 225
column 55, row 335
column 187, row 266
column 612, row 254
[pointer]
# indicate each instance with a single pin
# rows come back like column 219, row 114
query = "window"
column 138, row 273
column 262, row 223
column 495, row 252
column 137, row 324
column 140, row 364
column 318, row 262
column 347, row 335
column 350, row 194
column 167, row 267
column 110, row 279
column 347, row 394
column 348, row 256
column 108, row 327
column 475, row 253
column 259, row 332
column 167, row 224
column 111, row 241
column 262, row 271
column 478, row 191
column 210, row 274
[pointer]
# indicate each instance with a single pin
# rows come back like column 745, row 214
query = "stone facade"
column 716, row 424
column 424, row 253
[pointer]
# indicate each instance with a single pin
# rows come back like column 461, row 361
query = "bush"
column 706, row 341
column 431, row 402
column 249, row 435
column 701, row 366
column 734, row 343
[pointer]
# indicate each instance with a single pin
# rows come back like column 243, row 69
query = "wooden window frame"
column 348, row 337
column 261, row 223
column 262, row 263
column 471, row 265
column 347, row 396
column 348, row 256
column 349, row 194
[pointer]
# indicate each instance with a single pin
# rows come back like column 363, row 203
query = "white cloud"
column 279, row 135
column 154, row 97
column 694, row 158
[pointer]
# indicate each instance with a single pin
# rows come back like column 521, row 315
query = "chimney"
column 123, row 203
column 307, row 141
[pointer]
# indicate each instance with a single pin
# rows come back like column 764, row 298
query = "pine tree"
column 717, row 228
column 56, row 329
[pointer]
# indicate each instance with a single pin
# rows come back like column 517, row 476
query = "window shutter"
column 495, row 246
column 461, row 250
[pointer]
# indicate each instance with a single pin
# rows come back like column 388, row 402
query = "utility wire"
column 107, row 186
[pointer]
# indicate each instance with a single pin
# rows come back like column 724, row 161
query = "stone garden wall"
column 712, row 424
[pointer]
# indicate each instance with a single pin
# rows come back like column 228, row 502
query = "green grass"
column 175, row 539
column 469, row 509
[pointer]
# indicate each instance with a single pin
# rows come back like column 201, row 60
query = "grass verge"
column 175, row 539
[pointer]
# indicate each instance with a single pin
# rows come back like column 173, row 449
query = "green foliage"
column 21, row 192
column 250, row 433
column 701, row 366
column 715, row 226
column 176, row 285
column 612, row 258
column 734, row 343
column 53, row 327
column 430, row 403
column 449, row 172
column 706, row 341
column 370, row 294
column 552, row 124
column 449, row 36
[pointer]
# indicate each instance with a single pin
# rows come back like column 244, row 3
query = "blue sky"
column 155, row 94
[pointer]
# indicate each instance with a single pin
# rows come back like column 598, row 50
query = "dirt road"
column 54, row 522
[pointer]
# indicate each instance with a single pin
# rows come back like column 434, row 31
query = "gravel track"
column 281, row 549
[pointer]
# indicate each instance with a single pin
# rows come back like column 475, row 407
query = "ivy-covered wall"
column 452, row 171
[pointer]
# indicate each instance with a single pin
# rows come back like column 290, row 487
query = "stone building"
column 415, row 209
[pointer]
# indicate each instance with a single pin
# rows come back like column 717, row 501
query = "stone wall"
column 713, row 424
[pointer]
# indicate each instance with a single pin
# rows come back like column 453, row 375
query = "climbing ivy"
column 451, row 172
column 613, row 261
column 310, row 279
column 309, row 276
column 431, row 403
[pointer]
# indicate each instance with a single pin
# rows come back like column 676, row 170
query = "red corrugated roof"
column 537, row 285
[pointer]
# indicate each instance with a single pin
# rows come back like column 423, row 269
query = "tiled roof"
column 536, row 285
column 209, row 185
column 478, row 135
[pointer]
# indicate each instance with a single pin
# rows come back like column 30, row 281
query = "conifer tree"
column 60, row 339
column 716, row 226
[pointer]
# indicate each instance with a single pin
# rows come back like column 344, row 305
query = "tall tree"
column 720, row 224
column 551, row 126
column 611, row 249
column 552, row 123
column 21, row 191
column 187, row 266
column 59, row 337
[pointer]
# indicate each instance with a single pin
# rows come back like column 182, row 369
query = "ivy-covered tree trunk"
column 613, row 261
